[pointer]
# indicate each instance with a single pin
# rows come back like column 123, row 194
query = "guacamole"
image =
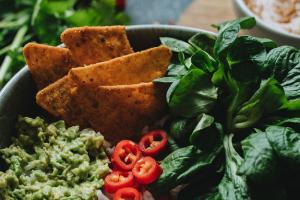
column 50, row 161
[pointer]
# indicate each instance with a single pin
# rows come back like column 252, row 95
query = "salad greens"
column 235, row 103
column 43, row 21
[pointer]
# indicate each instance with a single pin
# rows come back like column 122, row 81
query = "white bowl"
column 265, row 29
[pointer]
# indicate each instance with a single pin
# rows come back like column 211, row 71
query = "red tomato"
column 127, row 193
column 117, row 180
column 125, row 155
column 153, row 142
column 146, row 170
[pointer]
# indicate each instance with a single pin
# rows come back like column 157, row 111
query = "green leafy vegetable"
column 203, row 41
column 43, row 21
column 177, row 45
column 232, row 186
column 193, row 94
column 267, row 99
column 206, row 134
column 228, row 32
column 181, row 165
column 260, row 161
column 286, row 143
column 228, row 86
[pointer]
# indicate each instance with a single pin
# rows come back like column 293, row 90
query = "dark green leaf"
column 280, row 61
column 203, row 41
column 267, row 99
column 228, row 32
column 194, row 94
column 232, row 186
column 182, row 165
column 204, row 61
column 177, row 45
column 260, row 164
column 268, row 43
column 245, row 66
column 291, row 83
column 206, row 134
column 226, row 37
column 286, row 143
column 181, row 128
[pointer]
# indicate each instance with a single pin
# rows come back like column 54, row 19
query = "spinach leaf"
column 267, row 99
column 280, row 61
column 232, row 186
column 177, row 70
column 181, row 165
column 203, row 42
column 284, row 64
column 166, row 79
column 286, row 143
column 228, row 33
column 204, row 61
column 268, row 43
column 291, row 83
column 177, row 45
column 260, row 164
column 246, row 65
column 181, row 128
column 241, row 73
column 206, row 134
column 192, row 95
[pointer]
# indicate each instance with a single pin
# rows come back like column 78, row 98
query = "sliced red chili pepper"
column 146, row 170
column 127, row 193
column 117, row 180
column 126, row 154
column 153, row 142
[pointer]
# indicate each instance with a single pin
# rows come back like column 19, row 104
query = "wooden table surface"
column 203, row 13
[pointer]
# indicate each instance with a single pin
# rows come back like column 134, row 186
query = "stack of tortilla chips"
column 98, row 81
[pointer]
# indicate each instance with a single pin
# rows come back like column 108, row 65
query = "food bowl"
column 265, row 29
column 18, row 96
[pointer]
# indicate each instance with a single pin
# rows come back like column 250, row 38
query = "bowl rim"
column 22, row 72
column 244, row 8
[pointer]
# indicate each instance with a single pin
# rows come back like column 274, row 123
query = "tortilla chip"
column 46, row 63
column 134, row 68
column 90, row 45
column 58, row 100
column 122, row 111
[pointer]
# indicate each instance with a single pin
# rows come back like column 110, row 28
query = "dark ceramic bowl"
column 18, row 96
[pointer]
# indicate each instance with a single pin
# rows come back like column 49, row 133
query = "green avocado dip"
column 50, row 161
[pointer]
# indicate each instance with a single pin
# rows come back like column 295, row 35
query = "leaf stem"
column 13, row 24
column 17, row 41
